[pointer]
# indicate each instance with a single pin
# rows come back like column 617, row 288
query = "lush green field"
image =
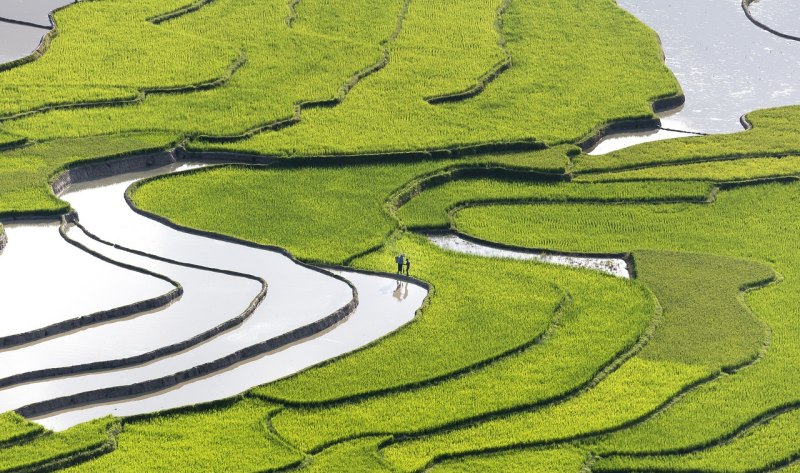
column 330, row 47
column 27, row 172
column 232, row 436
column 716, row 171
column 343, row 212
column 774, row 133
column 691, row 365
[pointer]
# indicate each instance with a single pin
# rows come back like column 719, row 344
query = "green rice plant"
column 760, row 448
column 26, row 172
column 578, row 65
column 472, row 297
column 14, row 427
column 629, row 393
column 774, row 133
column 603, row 317
column 357, row 456
column 432, row 209
column 706, row 321
column 285, row 67
column 106, row 51
column 718, row 171
column 705, row 329
column 9, row 140
column 341, row 211
column 61, row 448
column 561, row 460
column 752, row 222
column 223, row 437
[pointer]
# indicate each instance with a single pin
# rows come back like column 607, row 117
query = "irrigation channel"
column 205, row 319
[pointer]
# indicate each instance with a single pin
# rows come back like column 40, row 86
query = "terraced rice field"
column 221, row 187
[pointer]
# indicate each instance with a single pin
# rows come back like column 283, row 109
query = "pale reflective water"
column 385, row 305
column 726, row 65
column 623, row 140
column 782, row 15
column 31, row 11
column 36, row 293
column 613, row 266
column 17, row 41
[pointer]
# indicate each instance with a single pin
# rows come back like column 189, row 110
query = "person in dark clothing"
column 408, row 265
column 399, row 260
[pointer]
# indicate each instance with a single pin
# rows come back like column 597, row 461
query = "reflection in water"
column 401, row 291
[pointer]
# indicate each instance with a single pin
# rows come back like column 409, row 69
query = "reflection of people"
column 399, row 260
column 401, row 291
column 408, row 265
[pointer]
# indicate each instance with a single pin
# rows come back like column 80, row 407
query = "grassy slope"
column 568, row 61
column 719, row 171
column 430, row 210
column 14, row 427
column 774, row 133
column 284, row 66
column 763, row 447
column 643, row 382
column 25, row 173
column 566, row 460
column 473, row 297
column 742, row 223
column 604, row 317
column 340, row 212
column 358, row 456
column 52, row 447
column 224, row 438
column 119, row 53
column 647, row 380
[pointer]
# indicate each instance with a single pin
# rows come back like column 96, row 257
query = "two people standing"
column 403, row 262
